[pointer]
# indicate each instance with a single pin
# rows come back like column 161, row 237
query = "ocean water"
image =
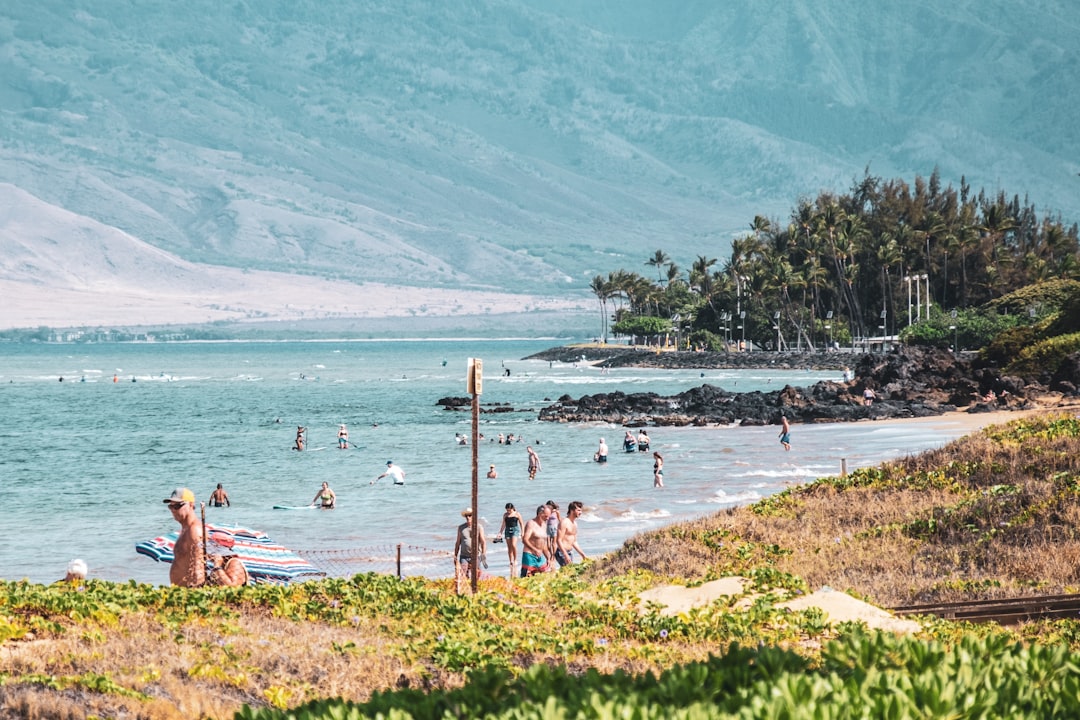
column 85, row 463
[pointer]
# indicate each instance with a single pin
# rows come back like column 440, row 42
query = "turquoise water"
column 86, row 462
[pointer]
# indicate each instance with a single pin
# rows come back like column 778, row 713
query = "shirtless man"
column 219, row 498
column 785, row 432
column 188, row 567
column 534, row 558
column 534, row 462
column 567, row 539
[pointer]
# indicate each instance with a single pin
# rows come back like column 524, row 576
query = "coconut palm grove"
column 918, row 262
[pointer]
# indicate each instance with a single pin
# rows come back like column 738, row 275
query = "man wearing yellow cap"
column 188, row 565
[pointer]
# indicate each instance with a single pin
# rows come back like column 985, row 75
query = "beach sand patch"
column 837, row 606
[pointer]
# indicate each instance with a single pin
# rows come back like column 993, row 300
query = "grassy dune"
column 992, row 515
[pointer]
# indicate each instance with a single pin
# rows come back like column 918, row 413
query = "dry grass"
column 984, row 517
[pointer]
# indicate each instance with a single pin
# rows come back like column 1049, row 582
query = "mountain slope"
column 514, row 145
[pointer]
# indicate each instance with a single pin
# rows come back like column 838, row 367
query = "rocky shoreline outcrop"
column 908, row 382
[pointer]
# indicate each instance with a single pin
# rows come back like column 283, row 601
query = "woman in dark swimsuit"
column 511, row 530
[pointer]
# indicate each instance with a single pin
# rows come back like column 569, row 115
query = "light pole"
column 884, row 314
column 952, row 327
column 926, row 280
column 776, row 327
column 828, row 326
column 725, row 318
column 742, row 329
column 907, row 279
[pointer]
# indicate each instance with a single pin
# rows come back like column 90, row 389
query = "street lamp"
column 884, row 314
column 955, row 345
column 828, row 326
column 742, row 328
column 725, row 318
column 776, row 327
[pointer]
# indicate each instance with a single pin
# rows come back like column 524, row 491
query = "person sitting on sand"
column 227, row 571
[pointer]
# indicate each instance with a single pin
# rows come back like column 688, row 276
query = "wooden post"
column 843, row 467
column 399, row 561
column 476, row 387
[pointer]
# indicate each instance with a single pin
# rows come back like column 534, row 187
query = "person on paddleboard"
column 300, row 430
column 342, row 437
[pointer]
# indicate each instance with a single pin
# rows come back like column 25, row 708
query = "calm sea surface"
column 85, row 463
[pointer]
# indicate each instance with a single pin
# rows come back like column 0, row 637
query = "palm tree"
column 658, row 260
column 602, row 291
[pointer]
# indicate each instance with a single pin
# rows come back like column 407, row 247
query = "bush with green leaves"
column 859, row 675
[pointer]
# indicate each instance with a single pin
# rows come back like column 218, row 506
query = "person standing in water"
column 534, row 462
column 601, row 452
column 658, row 470
column 342, row 437
column 394, row 472
column 219, row 498
column 325, row 498
column 785, row 432
column 300, row 430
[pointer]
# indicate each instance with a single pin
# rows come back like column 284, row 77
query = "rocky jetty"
column 626, row 356
column 908, row 382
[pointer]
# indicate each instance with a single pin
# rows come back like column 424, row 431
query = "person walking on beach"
column 300, row 442
column 394, row 472
column 552, row 527
column 464, row 556
column 534, row 557
column 657, row 470
column 785, row 432
column 510, row 531
column 342, row 437
column 219, row 498
column 601, row 452
column 534, row 462
column 325, row 498
column 566, row 543
column 188, row 567
column 868, row 396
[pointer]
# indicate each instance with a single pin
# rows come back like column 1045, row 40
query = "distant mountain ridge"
column 513, row 145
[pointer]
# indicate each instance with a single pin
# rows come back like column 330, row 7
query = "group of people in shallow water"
column 543, row 541
column 342, row 437
column 641, row 443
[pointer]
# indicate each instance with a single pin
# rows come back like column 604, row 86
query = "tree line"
column 875, row 261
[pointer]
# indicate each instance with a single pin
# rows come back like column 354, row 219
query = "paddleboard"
column 295, row 507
